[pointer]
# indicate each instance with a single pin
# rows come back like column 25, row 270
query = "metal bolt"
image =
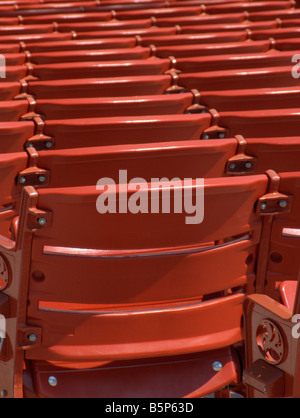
column 32, row 337
column 263, row 206
column 221, row 135
column 248, row 164
column 3, row 393
column 282, row 203
column 217, row 366
column 42, row 221
column 52, row 381
column 232, row 166
column 30, row 145
column 22, row 180
column 48, row 144
column 42, row 178
column 205, row 136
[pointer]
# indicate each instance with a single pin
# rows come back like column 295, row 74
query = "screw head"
column 205, row 136
column 263, row 206
column 217, row 366
column 42, row 178
column 32, row 337
column 22, row 180
column 221, row 135
column 52, row 381
column 232, row 166
column 248, row 164
column 282, row 203
column 42, row 221
column 48, row 144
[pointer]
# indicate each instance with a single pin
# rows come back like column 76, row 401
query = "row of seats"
column 147, row 304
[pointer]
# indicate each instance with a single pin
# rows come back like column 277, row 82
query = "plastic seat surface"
column 121, row 130
column 73, row 45
column 252, row 99
column 8, row 90
column 14, row 39
column 55, row 245
column 29, row 29
column 262, row 123
column 255, row 26
column 69, row 17
column 123, row 54
column 104, row 26
column 11, row 111
column 249, row 6
column 152, row 31
column 239, row 79
column 238, row 61
column 213, row 19
column 14, row 135
column 204, row 19
column 188, row 39
column 99, row 87
column 194, row 50
column 109, row 107
column 101, row 69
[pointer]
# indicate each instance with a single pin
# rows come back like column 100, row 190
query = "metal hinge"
column 39, row 141
column 241, row 163
column 33, row 175
column 196, row 107
column 274, row 203
column 174, row 89
column 215, row 131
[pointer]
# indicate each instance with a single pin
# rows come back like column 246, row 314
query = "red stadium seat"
column 99, row 87
column 54, row 243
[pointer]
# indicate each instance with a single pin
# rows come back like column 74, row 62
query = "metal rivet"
column 22, row 180
column 217, row 366
column 248, row 164
column 48, row 144
column 42, row 221
column 42, row 178
column 32, row 337
column 282, row 203
column 3, row 393
column 232, row 166
column 263, row 206
column 52, row 381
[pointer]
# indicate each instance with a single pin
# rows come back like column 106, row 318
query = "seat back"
column 75, row 133
column 148, row 267
column 99, row 87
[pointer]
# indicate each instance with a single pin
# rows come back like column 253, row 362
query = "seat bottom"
column 165, row 377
